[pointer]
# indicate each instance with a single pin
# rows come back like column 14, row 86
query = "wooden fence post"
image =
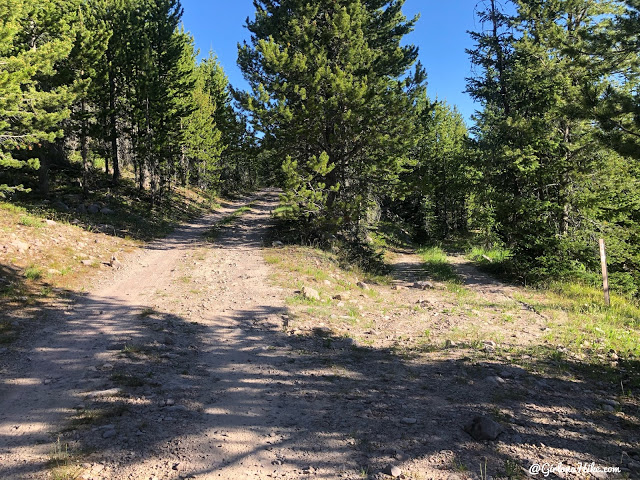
column 605, row 274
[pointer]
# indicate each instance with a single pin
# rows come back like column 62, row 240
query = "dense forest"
column 338, row 116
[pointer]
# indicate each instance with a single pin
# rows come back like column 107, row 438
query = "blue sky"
column 440, row 34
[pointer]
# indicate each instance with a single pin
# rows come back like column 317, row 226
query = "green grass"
column 300, row 299
column 488, row 255
column 580, row 321
column 29, row 221
column 272, row 259
column 60, row 464
column 33, row 273
column 436, row 265
column 496, row 261
column 11, row 208
column 576, row 316
column 391, row 234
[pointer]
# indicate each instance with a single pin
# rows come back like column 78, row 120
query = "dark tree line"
column 556, row 138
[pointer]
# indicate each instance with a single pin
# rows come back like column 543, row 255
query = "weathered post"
column 605, row 274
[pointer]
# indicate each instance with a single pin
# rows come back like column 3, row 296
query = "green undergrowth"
column 30, row 221
column 580, row 321
column 367, row 257
column 579, row 318
column 436, row 265
column 389, row 234
column 579, row 326
column 496, row 258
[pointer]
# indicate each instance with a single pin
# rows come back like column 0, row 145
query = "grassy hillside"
column 50, row 247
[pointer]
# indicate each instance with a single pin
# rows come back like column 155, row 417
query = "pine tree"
column 202, row 139
column 440, row 181
column 618, row 109
column 80, row 70
column 541, row 149
column 493, row 90
column 239, row 159
column 331, row 95
column 156, row 85
column 34, row 37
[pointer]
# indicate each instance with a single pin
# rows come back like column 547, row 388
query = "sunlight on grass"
column 272, row 259
column 29, row 221
column 436, row 265
column 33, row 273
column 489, row 255
column 581, row 322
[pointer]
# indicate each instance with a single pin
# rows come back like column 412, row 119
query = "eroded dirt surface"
column 197, row 360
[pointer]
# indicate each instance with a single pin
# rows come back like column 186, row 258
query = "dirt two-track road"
column 167, row 362
column 179, row 365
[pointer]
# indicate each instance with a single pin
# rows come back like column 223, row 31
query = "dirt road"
column 154, row 360
column 181, row 365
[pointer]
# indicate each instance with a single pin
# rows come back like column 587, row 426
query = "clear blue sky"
column 440, row 34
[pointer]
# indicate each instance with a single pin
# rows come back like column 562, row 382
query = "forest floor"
column 218, row 353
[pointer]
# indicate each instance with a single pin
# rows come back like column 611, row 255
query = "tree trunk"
column 114, row 132
column 43, row 173
column 84, row 151
column 112, row 120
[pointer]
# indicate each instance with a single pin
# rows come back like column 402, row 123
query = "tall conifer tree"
column 34, row 38
column 332, row 96
column 539, row 145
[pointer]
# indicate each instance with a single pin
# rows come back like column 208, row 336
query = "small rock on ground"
column 483, row 428
column 310, row 293
column 392, row 471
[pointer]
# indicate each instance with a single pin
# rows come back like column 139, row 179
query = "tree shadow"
column 142, row 391
column 241, row 396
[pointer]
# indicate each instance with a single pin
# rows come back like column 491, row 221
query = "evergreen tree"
column 79, row 71
column 331, row 95
column 202, row 139
column 158, row 83
column 618, row 109
column 118, row 16
column 540, row 148
column 34, row 38
column 441, row 179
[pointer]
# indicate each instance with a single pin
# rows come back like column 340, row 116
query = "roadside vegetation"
column 560, row 330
